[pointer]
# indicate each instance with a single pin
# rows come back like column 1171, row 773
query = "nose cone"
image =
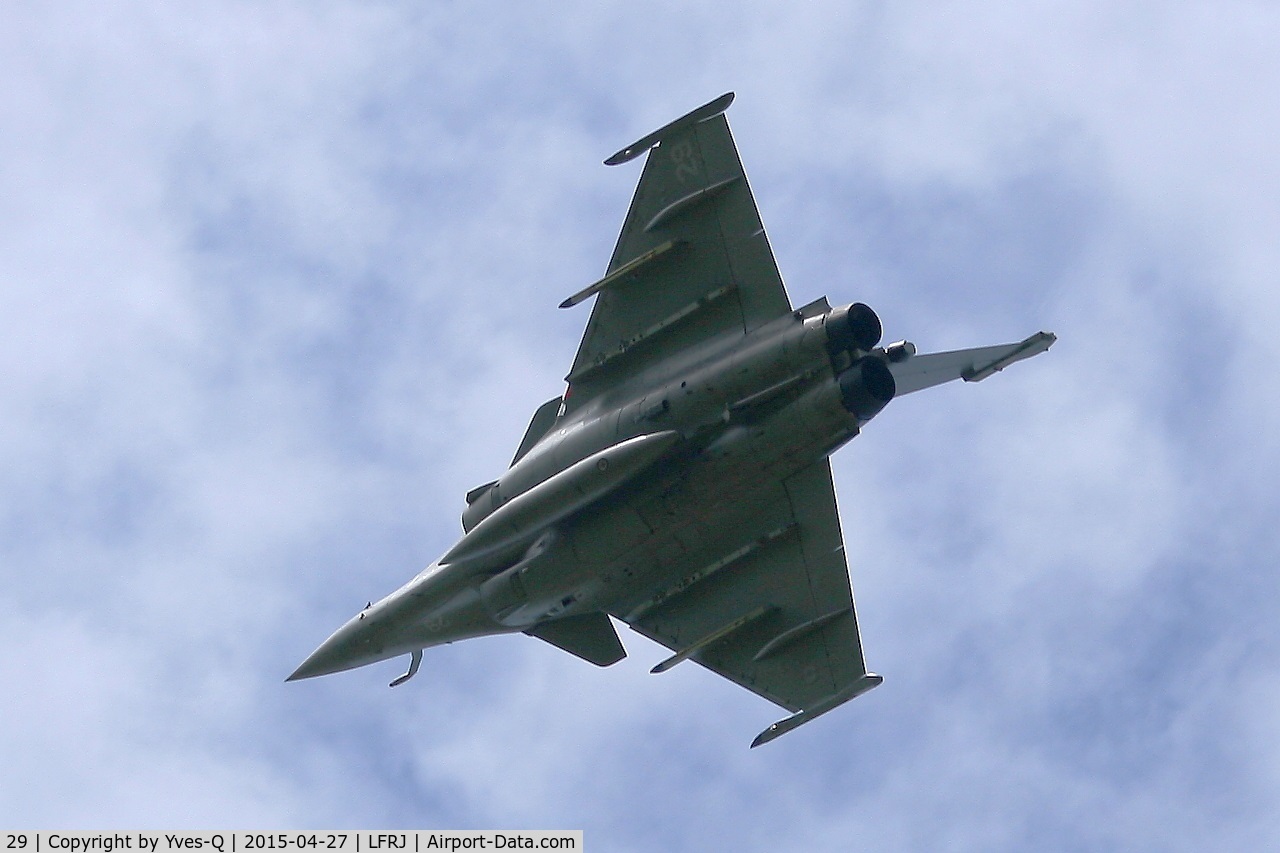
column 351, row 646
column 322, row 661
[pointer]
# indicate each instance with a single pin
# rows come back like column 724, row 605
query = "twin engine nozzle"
column 854, row 327
column 866, row 385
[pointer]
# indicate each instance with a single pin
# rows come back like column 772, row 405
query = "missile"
column 853, row 691
column 561, row 495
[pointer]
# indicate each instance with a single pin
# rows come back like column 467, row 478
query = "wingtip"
column 620, row 157
column 853, row 691
column 709, row 110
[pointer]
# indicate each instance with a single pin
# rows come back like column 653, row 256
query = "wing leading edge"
column 692, row 262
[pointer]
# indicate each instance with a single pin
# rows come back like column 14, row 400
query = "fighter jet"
column 681, row 484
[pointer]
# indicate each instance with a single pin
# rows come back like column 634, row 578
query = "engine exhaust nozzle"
column 867, row 387
column 853, row 328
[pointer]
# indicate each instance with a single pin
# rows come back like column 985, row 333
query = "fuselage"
column 583, row 520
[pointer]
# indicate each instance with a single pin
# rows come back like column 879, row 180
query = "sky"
column 278, row 284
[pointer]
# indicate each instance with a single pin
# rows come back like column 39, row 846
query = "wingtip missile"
column 711, row 109
column 853, row 691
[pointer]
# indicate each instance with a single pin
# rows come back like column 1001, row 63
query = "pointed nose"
column 351, row 646
column 319, row 662
column 327, row 659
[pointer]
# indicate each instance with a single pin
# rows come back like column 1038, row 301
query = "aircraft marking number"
column 685, row 159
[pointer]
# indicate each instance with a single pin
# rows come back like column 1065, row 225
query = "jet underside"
column 681, row 485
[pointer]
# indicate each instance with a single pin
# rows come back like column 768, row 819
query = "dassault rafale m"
column 681, row 484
